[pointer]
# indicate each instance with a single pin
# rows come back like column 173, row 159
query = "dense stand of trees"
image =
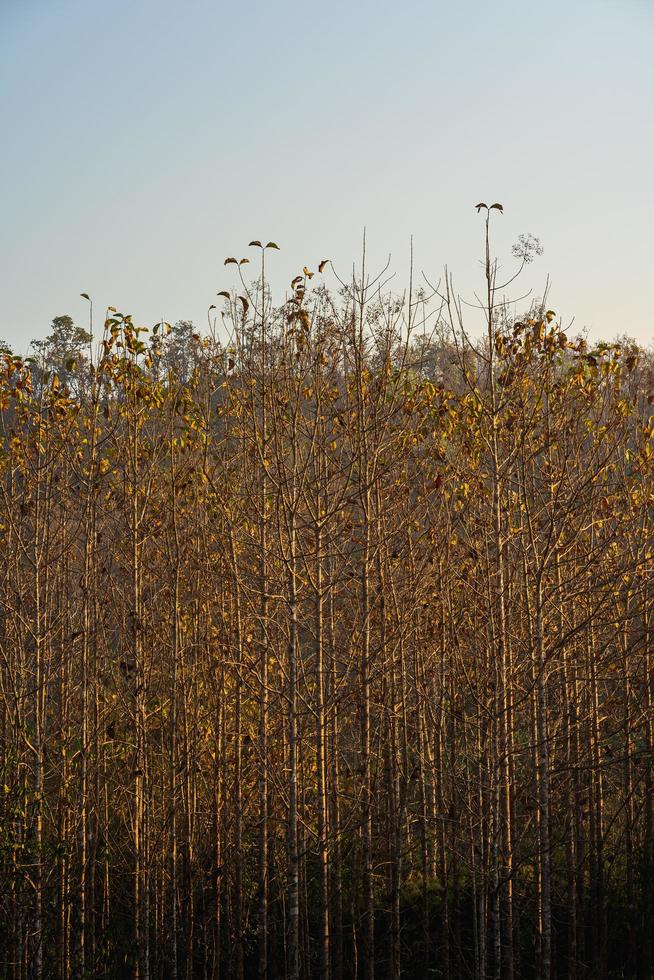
column 327, row 651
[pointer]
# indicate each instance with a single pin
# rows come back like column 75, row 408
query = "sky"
column 145, row 141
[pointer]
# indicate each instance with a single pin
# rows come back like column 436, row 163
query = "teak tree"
column 326, row 646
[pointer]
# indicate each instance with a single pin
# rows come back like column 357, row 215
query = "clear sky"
column 144, row 141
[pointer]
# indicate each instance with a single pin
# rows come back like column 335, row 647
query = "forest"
column 326, row 639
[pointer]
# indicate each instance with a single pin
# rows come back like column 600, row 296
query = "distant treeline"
column 326, row 649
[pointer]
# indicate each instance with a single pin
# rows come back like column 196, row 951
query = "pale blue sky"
column 144, row 141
